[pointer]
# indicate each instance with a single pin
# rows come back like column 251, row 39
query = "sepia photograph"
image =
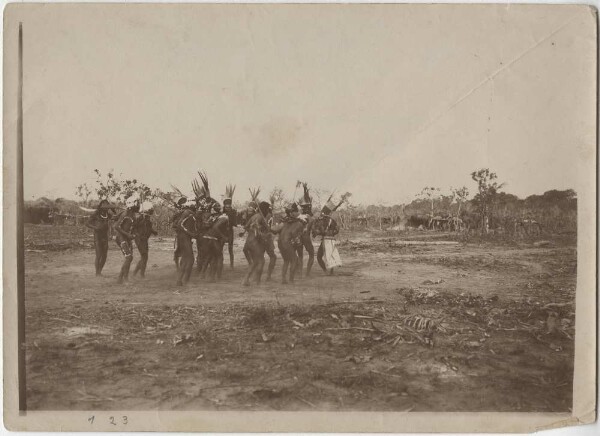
column 373, row 210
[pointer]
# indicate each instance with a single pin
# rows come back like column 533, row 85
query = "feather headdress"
column 254, row 194
column 177, row 191
column 229, row 190
column 306, row 199
column 201, row 190
column 176, row 198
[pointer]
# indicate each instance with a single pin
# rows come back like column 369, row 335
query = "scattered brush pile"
column 421, row 316
column 490, row 314
column 398, row 351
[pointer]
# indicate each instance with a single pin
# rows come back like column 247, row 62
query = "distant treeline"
column 555, row 211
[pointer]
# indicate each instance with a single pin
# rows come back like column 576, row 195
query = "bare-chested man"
column 125, row 234
column 143, row 231
column 99, row 221
column 186, row 229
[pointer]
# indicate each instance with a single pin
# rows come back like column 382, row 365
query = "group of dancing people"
column 203, row 219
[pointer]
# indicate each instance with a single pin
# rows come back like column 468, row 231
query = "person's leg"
column 299, row 253
column 320, row 254
column 104, row 253
column 183, row 246
column 270, row 249
column 220, row 258
column 201, row 262
column 128, row 258
column 144, row 253
column 311, row 255
column 260, row 267
column 98, row 248
column 294, row 261
column 205, row 257
column 189, row 257
column 286, row 262
column 138, row 266
column 256, row 251
column 214, row 259
column 230, row 248
column 176, row 254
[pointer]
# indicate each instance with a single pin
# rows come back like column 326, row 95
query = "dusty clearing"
column 415, row 325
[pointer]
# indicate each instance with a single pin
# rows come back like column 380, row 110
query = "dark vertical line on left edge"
column 20, row 234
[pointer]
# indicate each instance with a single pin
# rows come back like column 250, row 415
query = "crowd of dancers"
column 211, row 225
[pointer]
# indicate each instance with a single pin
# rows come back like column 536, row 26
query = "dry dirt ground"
column 412, row 321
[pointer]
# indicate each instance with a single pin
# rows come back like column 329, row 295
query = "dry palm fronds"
column 343, row 199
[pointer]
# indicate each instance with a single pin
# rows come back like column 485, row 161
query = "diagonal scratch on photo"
column 262, row 209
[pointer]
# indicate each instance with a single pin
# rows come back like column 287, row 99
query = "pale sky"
column 376, row 100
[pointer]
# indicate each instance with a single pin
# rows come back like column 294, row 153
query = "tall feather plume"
column 166, row 198
column 254, row 194
column 307, row 197
column 201, row 188
column 177, row 191
column 204, row 179
column 229, row 190
column 198, row 192
column 272, row 198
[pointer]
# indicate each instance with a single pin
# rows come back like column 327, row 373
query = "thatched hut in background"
column 46, row 211
column 39, row 211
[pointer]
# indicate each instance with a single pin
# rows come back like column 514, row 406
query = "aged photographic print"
column 299, row 208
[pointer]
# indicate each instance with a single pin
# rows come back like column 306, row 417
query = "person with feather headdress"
column 186, row 228
column 232, row 215
column 306, row 238
column 270, row 239
column 258, row 233
column 207, row 212
column 99, row 222
column 125, row 229
column 178, row 203
column 210, row 250
column 326, row 227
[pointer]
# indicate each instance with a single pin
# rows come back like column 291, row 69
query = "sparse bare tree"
column 460, row 196
column 488, row 187
column 431, row 194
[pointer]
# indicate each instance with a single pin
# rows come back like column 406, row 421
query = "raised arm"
column 182, row 222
